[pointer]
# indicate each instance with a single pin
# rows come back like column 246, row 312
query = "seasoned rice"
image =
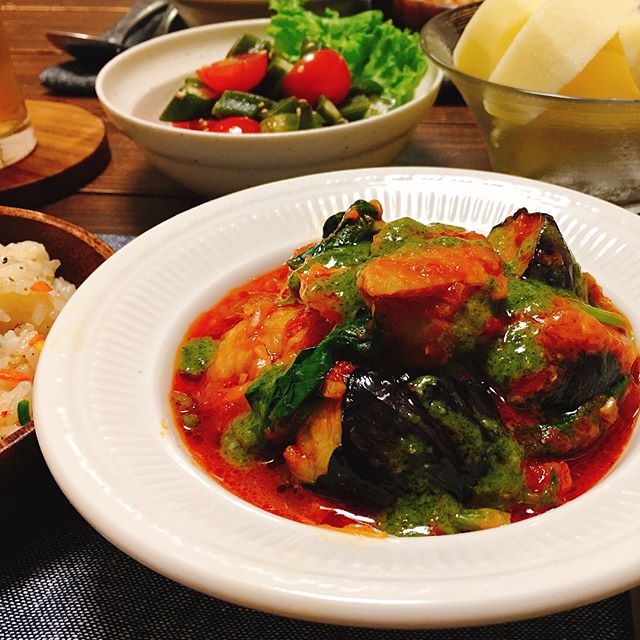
column 31, row 297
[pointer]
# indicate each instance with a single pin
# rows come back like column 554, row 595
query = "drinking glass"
column 17, row 138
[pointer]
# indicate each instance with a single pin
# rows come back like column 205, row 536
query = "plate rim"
column 391, row 614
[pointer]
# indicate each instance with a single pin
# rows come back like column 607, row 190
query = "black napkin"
column 77, row 77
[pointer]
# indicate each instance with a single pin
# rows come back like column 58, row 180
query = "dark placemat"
column 60, row 580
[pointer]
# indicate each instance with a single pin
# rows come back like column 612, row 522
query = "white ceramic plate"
column 104, row 424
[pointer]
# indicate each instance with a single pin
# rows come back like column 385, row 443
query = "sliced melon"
column 558, row 42
column 630, row 39
column 489, row 33
column 607, row 76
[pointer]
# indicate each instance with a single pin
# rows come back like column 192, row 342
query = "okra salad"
column 310, row 71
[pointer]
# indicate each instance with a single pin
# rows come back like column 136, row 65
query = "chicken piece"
column 327, row 283
column 316, row 441
column 323, row 275
column 268, row 333
column 431, row 290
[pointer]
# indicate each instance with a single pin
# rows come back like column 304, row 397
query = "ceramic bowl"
column 80, row 253
column 136, row 85
column 589, row 145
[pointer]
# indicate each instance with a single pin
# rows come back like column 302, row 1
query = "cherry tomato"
column 234, row 124
column 194, row 125
column 239, row 73
column 322, row 72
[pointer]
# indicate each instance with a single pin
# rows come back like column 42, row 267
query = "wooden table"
column 131, row 195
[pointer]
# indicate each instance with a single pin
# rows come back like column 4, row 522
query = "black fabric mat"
column 60, row 580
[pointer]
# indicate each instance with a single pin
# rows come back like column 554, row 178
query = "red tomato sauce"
column 269, row 486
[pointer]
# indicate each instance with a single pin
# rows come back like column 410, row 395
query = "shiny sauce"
column 268, row 485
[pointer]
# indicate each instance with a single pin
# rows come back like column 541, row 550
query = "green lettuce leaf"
column 374, row 49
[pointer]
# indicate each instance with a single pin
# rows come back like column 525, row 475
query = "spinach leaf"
column 279, row 392
column 359, row 223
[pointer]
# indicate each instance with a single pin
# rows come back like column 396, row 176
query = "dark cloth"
column 60, row 580
column 78, row 77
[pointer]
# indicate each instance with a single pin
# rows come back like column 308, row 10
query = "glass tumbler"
column 17, row 138
column 589, row 145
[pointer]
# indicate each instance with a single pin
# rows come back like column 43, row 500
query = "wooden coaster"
column 72, row 150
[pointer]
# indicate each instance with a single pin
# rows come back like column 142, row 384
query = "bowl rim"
column 211, row 4
column 148, row 46
column 86, row 236
column 434, row 23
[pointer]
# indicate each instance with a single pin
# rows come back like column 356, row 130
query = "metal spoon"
column 83, row 45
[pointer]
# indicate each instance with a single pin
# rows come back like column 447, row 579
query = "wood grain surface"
column 72, row 149
column 130, row 195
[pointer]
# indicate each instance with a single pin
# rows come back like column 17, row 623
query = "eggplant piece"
column 573, row 431
column 578, row 381
column 468, row 411
column 385, row 434
column 532, row 247
column 555, row 354
column 429, row 436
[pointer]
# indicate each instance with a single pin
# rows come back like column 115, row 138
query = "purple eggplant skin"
column 426, row 435
column 543, row 256
column 574, row 378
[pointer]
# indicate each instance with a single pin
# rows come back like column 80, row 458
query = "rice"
column 31, row 297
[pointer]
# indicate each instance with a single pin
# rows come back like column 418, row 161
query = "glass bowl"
column 585, row 144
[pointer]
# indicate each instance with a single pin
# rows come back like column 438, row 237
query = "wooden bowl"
column 80, row 253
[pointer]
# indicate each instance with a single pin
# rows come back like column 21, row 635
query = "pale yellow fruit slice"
column 558, row 42
column 630, row 39
column 607, row 76
column 489, row 33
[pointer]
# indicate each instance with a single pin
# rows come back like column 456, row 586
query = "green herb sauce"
column 197, row 355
